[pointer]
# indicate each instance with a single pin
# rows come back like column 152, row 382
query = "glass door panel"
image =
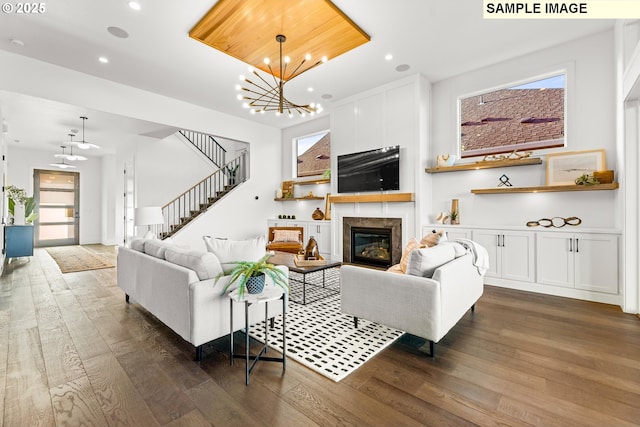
column 57, row 200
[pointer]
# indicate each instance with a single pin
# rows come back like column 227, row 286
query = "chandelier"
column 261, row 96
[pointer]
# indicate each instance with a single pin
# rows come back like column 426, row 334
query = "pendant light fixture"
column 84, row 145
column 71, row 157
column 62, row 164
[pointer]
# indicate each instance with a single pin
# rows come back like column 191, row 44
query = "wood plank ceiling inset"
column 247, row 30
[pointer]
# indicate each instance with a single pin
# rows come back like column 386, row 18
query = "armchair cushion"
column 286, row 236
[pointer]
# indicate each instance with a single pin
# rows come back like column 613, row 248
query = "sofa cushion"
column 205, row 264
column 137, row 244
column 229, row 252
column 157, row 248
column 424, row 262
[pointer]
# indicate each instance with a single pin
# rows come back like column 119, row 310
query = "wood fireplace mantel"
column 371, row 198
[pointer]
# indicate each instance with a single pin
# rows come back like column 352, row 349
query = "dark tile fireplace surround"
column 375, row 242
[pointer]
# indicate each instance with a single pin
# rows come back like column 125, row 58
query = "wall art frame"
column 564, row 168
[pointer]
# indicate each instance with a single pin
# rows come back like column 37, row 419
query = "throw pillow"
column 286, row 235
column 411, row 245
column 205, row 264
column 157, row 248
column 424, row 262
column 230, row 251
column 433, row 238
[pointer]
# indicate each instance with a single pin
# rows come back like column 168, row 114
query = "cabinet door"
column 454, row 233
column 596, row 262
column 517, row 256
column 554, row 259
column 489, row 239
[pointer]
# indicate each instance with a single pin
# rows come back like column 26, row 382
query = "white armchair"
column 426, row 307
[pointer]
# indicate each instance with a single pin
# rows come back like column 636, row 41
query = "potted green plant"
column 251, row 276
column 18, row 197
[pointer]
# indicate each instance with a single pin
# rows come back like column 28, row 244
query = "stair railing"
column 197, row 199
column 207, row 145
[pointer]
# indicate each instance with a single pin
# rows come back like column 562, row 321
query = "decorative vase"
column 279, row 194
column 18, row 214
column 317, row 214
column 255, row 284
column 455, row 212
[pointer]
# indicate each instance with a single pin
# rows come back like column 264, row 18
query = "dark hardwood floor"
column 73, row 353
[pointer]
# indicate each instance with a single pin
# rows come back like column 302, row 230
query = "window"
column 524, row 117
column 313, row 154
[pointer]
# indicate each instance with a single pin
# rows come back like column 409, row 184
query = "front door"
column 57, row 198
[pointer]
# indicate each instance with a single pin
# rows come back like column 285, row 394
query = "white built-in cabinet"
column 576, row 263
column 582, row 261
column 511, row 253
column 320, row 230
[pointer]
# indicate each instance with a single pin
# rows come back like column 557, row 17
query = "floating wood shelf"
column 546, row 189
column 288, row 199
column 489, row 164
column 313, row 182
column 372, row 198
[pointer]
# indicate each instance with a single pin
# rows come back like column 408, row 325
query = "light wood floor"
column 73, row 353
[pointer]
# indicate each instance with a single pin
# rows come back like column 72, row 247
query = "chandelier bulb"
column 241, row 77
column 324, row 59
column 266, row 61
column 287, row 59
column 307, row 57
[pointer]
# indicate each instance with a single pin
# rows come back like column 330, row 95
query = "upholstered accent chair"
column 286, row 239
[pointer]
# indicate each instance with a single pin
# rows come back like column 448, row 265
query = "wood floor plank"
column 192, row 419
column 161, row 392
column 119, row 399
column 26, row 400
column 74, row 403
column 219, row 408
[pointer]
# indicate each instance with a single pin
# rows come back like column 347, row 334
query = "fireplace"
column 375, row 242
column 371, row 246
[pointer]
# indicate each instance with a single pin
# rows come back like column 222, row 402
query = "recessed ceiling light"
column 135, row 5
column 103, row 59
column 402, row 67
column 326, row 96
column 17, row 42
column 309, row 89
column 388, row 57
column 118, row 32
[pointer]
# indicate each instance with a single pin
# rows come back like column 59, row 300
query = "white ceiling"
column 437, row 38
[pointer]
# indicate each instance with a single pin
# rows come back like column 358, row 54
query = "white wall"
column 20, row 166
column 590, row 117
column 36, row 78
column 165, row 168
column 388, row 115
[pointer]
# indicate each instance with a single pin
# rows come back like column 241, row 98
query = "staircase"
column 207, row 145
column 179, row 212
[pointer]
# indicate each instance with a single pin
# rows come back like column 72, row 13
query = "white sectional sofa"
column 439, row 286
column 176, row 285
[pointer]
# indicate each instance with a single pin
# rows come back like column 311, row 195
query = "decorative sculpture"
column 504, row 181
column 311, row 251
column 555, row 222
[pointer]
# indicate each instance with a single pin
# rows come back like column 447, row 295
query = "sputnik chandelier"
column 261, row 96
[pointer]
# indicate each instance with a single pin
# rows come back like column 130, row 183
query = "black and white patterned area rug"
column 320, row 337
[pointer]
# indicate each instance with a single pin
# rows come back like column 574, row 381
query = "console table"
column 18, row 240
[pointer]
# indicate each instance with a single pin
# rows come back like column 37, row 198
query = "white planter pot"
column 18, row 214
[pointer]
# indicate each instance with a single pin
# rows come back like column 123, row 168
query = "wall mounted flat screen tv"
column 373, row 170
